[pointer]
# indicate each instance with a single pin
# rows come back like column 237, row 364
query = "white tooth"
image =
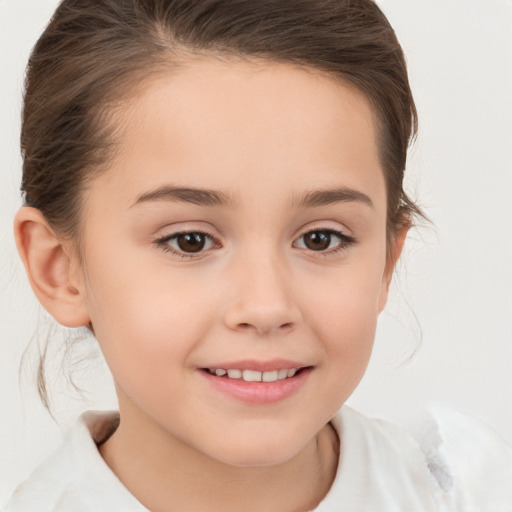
column 291, row 372
column 251, row 376
column 282, row 374
column 220, row 372
column 235, row 374
column 269, row 376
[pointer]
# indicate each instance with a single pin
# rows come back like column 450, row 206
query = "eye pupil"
column 317, row 240
column 191, row 242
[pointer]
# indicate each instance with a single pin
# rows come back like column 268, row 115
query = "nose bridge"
column 262, row 300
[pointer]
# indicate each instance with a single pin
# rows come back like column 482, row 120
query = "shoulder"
column 470, row 461
column 455, row 463
column 381, row 467
column 75, row 478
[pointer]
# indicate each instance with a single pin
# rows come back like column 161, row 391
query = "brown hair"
column 92, row 53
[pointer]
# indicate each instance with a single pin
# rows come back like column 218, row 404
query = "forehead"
column 236, row 125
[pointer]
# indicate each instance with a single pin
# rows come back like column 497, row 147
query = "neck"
column 161, row 471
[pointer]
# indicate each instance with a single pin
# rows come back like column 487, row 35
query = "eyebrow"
column 208, row 197
column 315, row 198
column 198, row 196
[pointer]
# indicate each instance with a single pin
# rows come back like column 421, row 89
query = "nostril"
column 246, row 325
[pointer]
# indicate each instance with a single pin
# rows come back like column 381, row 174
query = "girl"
column 214, row 188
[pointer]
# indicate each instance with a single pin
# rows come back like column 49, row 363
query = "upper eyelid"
column 207, row 233
column 186, row 232
column 324, row 228
column 169, row 232
column 166, row 238
column 337, row 232
column 340, row 229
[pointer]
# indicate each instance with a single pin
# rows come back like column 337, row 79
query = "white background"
column 452, row 298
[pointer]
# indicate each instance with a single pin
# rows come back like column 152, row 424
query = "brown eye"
column 187, row 243
column 324, row 240
column 191, row 242
column 317, row 240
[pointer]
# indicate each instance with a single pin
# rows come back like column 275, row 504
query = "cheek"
column 144, row 318
column 348, row 301
column 349, row 332
column 345, row 320
column 146, row 334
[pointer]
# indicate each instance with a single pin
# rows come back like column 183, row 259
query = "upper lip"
column 261, row 366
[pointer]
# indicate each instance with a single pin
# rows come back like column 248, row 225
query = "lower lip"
column 258, row 392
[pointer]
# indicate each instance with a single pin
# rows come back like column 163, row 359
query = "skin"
column 261, row 136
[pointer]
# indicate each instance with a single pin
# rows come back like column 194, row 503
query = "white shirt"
column 461, row 465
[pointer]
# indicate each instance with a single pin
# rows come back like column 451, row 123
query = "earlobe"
column 49, row 268
column 394, row 255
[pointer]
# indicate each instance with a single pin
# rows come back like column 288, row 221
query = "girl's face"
column 240, row 227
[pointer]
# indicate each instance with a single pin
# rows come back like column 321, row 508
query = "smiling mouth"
column 248, row 375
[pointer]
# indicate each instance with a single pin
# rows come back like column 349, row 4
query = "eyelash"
column 346, row 241
column 163, row 243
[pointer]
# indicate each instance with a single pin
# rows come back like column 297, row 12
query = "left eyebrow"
column 331, row 196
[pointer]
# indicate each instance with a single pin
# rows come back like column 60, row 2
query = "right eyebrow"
column 198, row 196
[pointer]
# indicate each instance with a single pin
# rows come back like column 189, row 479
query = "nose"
column 262, row 300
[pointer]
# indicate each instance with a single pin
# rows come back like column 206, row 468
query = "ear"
column 397, row 245
column 50, row 269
